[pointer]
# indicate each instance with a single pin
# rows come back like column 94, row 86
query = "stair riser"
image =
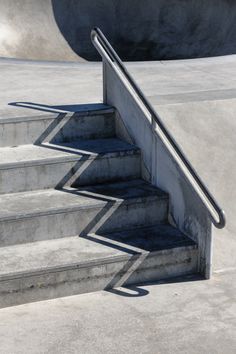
column 76, row 173
column 61, row 129
column 106, row 218
column 161, row 265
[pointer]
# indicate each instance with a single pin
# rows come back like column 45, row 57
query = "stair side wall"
column 186, row 210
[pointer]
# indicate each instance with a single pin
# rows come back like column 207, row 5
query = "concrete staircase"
column 75, row 214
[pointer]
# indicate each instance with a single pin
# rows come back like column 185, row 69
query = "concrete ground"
column 196, row 317
column 197, row 100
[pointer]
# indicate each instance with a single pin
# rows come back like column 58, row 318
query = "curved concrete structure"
column 28, row 31
column 139, row 30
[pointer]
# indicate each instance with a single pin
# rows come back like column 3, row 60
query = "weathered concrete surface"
column 195, row 317
column 75, row 265
column 160, row 29
column 63, row 124
column 63, row 84
column 49, row 214
column 35, row 167
column 186, row 211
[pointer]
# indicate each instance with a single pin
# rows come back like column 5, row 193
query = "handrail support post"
column 104, row 82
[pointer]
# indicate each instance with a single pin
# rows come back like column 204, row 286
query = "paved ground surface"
column 195, row 317
column 197, row 100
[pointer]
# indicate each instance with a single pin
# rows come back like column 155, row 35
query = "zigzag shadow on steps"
column 59, row 108
column 77, row 169
column 58, row 133
column 53, row 134
column 63, row 121
column 92, row 233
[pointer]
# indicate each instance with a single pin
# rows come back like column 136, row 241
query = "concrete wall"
column 138, row 29
column 206, row 131
column 186, row 210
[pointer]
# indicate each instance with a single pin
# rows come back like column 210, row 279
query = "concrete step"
column 74, row 265
column 58, row 124
column 31, row 167
column 49, row 214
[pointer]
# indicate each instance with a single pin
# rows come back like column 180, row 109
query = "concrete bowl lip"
column 131, row 64
column 21, row 61
column 35, row 61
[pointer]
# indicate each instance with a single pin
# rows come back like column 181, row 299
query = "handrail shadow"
column 74, row 108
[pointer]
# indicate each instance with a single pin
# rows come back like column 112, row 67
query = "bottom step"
column 74, row 265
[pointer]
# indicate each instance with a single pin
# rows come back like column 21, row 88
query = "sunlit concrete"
column 192, row 317
column 197, row 100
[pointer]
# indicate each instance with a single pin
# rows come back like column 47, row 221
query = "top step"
column 60, row 124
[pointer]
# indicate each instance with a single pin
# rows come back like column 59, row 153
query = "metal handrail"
column 108, row 54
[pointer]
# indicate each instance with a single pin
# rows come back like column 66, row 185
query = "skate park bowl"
column 139, row 30
column 172, row 40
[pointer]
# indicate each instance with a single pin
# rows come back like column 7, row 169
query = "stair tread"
column 77, row 150
column 44, row 202
column 44, row 112
column 58, row 254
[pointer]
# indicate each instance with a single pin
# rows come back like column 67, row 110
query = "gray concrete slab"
column 34, row 203
column 49, row 214
column 74, row 265
column 45, row 255
column 78, row 150
column 47, row 83
column 192, row 317
column 59, row 126
column 96, row 275
column 58, row 84
column 82, row 162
